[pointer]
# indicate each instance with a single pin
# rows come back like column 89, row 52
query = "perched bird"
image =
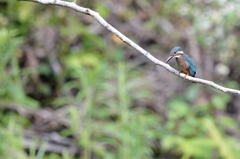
column 185, row 62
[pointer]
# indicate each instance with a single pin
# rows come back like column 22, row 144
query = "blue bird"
column 185, row 62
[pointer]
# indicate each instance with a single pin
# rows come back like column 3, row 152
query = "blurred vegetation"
column 63, row 74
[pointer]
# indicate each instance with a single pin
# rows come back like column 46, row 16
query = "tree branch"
column 96, row 15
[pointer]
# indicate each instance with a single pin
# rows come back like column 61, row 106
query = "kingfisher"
column 185, row 62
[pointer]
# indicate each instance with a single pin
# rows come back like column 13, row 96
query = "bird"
column 185, row 62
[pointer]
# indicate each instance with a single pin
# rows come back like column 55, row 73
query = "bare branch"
column 96, row 15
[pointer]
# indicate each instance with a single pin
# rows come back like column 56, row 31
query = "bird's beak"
column 169, row 58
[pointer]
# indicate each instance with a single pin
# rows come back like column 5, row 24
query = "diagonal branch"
column 96, row 15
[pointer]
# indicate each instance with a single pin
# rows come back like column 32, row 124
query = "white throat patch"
column 177, row 56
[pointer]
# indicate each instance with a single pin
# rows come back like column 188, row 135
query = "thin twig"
column 96, row 15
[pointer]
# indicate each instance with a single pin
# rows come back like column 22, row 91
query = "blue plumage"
column 192, row 67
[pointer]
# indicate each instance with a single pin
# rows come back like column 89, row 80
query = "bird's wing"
column 192, row 67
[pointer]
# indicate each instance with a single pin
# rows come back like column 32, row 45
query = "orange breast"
column 183, row 65
column 184, row 68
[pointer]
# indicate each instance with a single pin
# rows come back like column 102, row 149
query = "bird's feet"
column 184, row 73
column 185, row 76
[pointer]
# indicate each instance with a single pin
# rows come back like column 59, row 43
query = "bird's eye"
column 175, row 52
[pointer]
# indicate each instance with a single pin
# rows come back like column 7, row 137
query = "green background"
column 71, row 89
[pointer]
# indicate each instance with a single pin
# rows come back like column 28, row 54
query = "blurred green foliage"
column 103, row 93
column 13, row 91
column 192, row 131
column 105, row 114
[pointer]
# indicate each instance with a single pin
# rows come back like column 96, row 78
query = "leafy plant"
column 112, row 123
